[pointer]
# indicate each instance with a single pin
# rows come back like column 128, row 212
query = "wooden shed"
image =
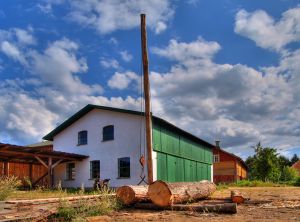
column 227, row 167
column 35, row 164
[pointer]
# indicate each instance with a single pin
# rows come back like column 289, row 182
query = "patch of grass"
column 256, row 183
column 8, row 184
column 222, row 186
column 86, row 208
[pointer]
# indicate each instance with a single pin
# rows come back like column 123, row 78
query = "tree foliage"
column 294, row 159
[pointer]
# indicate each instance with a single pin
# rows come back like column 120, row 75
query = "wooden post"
column 30, row 172
column 6, row 168
column 50, row 178
column 147, row 98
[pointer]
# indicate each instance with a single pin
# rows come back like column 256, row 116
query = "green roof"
column 90, row 107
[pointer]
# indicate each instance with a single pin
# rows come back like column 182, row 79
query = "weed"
column 87, row 207
column 8, row 184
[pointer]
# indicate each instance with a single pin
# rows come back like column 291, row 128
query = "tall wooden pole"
column 147, row 98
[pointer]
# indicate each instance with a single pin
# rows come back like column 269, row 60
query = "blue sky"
column 223, row 70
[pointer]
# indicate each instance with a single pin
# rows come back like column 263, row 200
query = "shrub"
column 8, row 184
column 288, row 174
column 297, row 182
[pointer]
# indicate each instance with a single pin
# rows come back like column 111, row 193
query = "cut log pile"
column 162, row 195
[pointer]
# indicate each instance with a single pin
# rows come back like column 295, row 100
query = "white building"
column 113, row 140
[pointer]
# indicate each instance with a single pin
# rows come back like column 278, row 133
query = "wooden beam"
column 147, row 98
column 56, row 163
column 39, row 179
column 41, row 161
column 17, row 153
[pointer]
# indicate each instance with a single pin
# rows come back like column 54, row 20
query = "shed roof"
column 90, row 107
column 15, row 153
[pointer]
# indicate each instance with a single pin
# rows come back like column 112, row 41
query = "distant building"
column 297, row 166
column 227, row 167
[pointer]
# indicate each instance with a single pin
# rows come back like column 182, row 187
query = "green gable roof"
column 90, row 107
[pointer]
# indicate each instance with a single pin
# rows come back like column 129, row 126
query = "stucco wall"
column 126, row 143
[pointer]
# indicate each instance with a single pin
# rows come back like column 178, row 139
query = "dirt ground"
column 283, row 205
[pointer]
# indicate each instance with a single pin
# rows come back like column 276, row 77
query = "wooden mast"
column 147, row 99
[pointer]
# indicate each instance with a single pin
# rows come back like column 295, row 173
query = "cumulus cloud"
column 232, row 102
column 106, row 16
column 126, row 56
column 123, row 80
column 109, row 63
column 265, row 31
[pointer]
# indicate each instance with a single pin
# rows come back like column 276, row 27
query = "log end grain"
column 160, row 193
column 126, row 195
column 237, row 197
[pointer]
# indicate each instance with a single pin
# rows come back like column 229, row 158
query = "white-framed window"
column 216, row 158
column 70, row 171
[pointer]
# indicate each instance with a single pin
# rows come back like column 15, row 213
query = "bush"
column 288, row 174
column 297, row 182
column 8, row 184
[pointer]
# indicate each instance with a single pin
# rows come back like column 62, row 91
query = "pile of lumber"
column 180, row 196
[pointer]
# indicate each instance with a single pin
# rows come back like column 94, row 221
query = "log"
column 165, row 194
column 132, row 194
column 228, row 208
column 237, row 197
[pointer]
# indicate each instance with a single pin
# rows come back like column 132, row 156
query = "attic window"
column 216, row 158
column 108, row 133
column 82, row 137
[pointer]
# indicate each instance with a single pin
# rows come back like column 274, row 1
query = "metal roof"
column 90, row 107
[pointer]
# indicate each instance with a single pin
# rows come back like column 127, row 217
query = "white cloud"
column 123, row 80
column 160, row 27
column 12, row 51
column 181, row 51
column 24, row 37
column 234, row 103
column 107, row 16
column 109, row 63
column 57, row 66
column 126, row 56
column 265, row 31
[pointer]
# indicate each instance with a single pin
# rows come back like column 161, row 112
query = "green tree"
column 283, row 161
column 264, row 164
column 294, row 159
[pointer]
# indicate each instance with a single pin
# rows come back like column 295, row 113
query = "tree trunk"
column 165, row 194
column 237, row 197
column 229, row 208
column 132, row 194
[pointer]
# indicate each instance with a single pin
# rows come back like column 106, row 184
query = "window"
column 124, row 167
column 95, row 169
column 108, row 133
column 70, row 171
column 82, row 137
column 216, row 158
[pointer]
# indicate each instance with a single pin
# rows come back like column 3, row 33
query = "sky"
column 223, row 70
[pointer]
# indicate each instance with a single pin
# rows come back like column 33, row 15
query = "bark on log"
column 228, row 208
column 237, row 197
column 165, row 194
column 132, row 194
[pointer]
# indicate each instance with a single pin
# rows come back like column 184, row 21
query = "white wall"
column 126, row 143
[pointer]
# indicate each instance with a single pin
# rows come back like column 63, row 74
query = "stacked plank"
column 166, row 196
